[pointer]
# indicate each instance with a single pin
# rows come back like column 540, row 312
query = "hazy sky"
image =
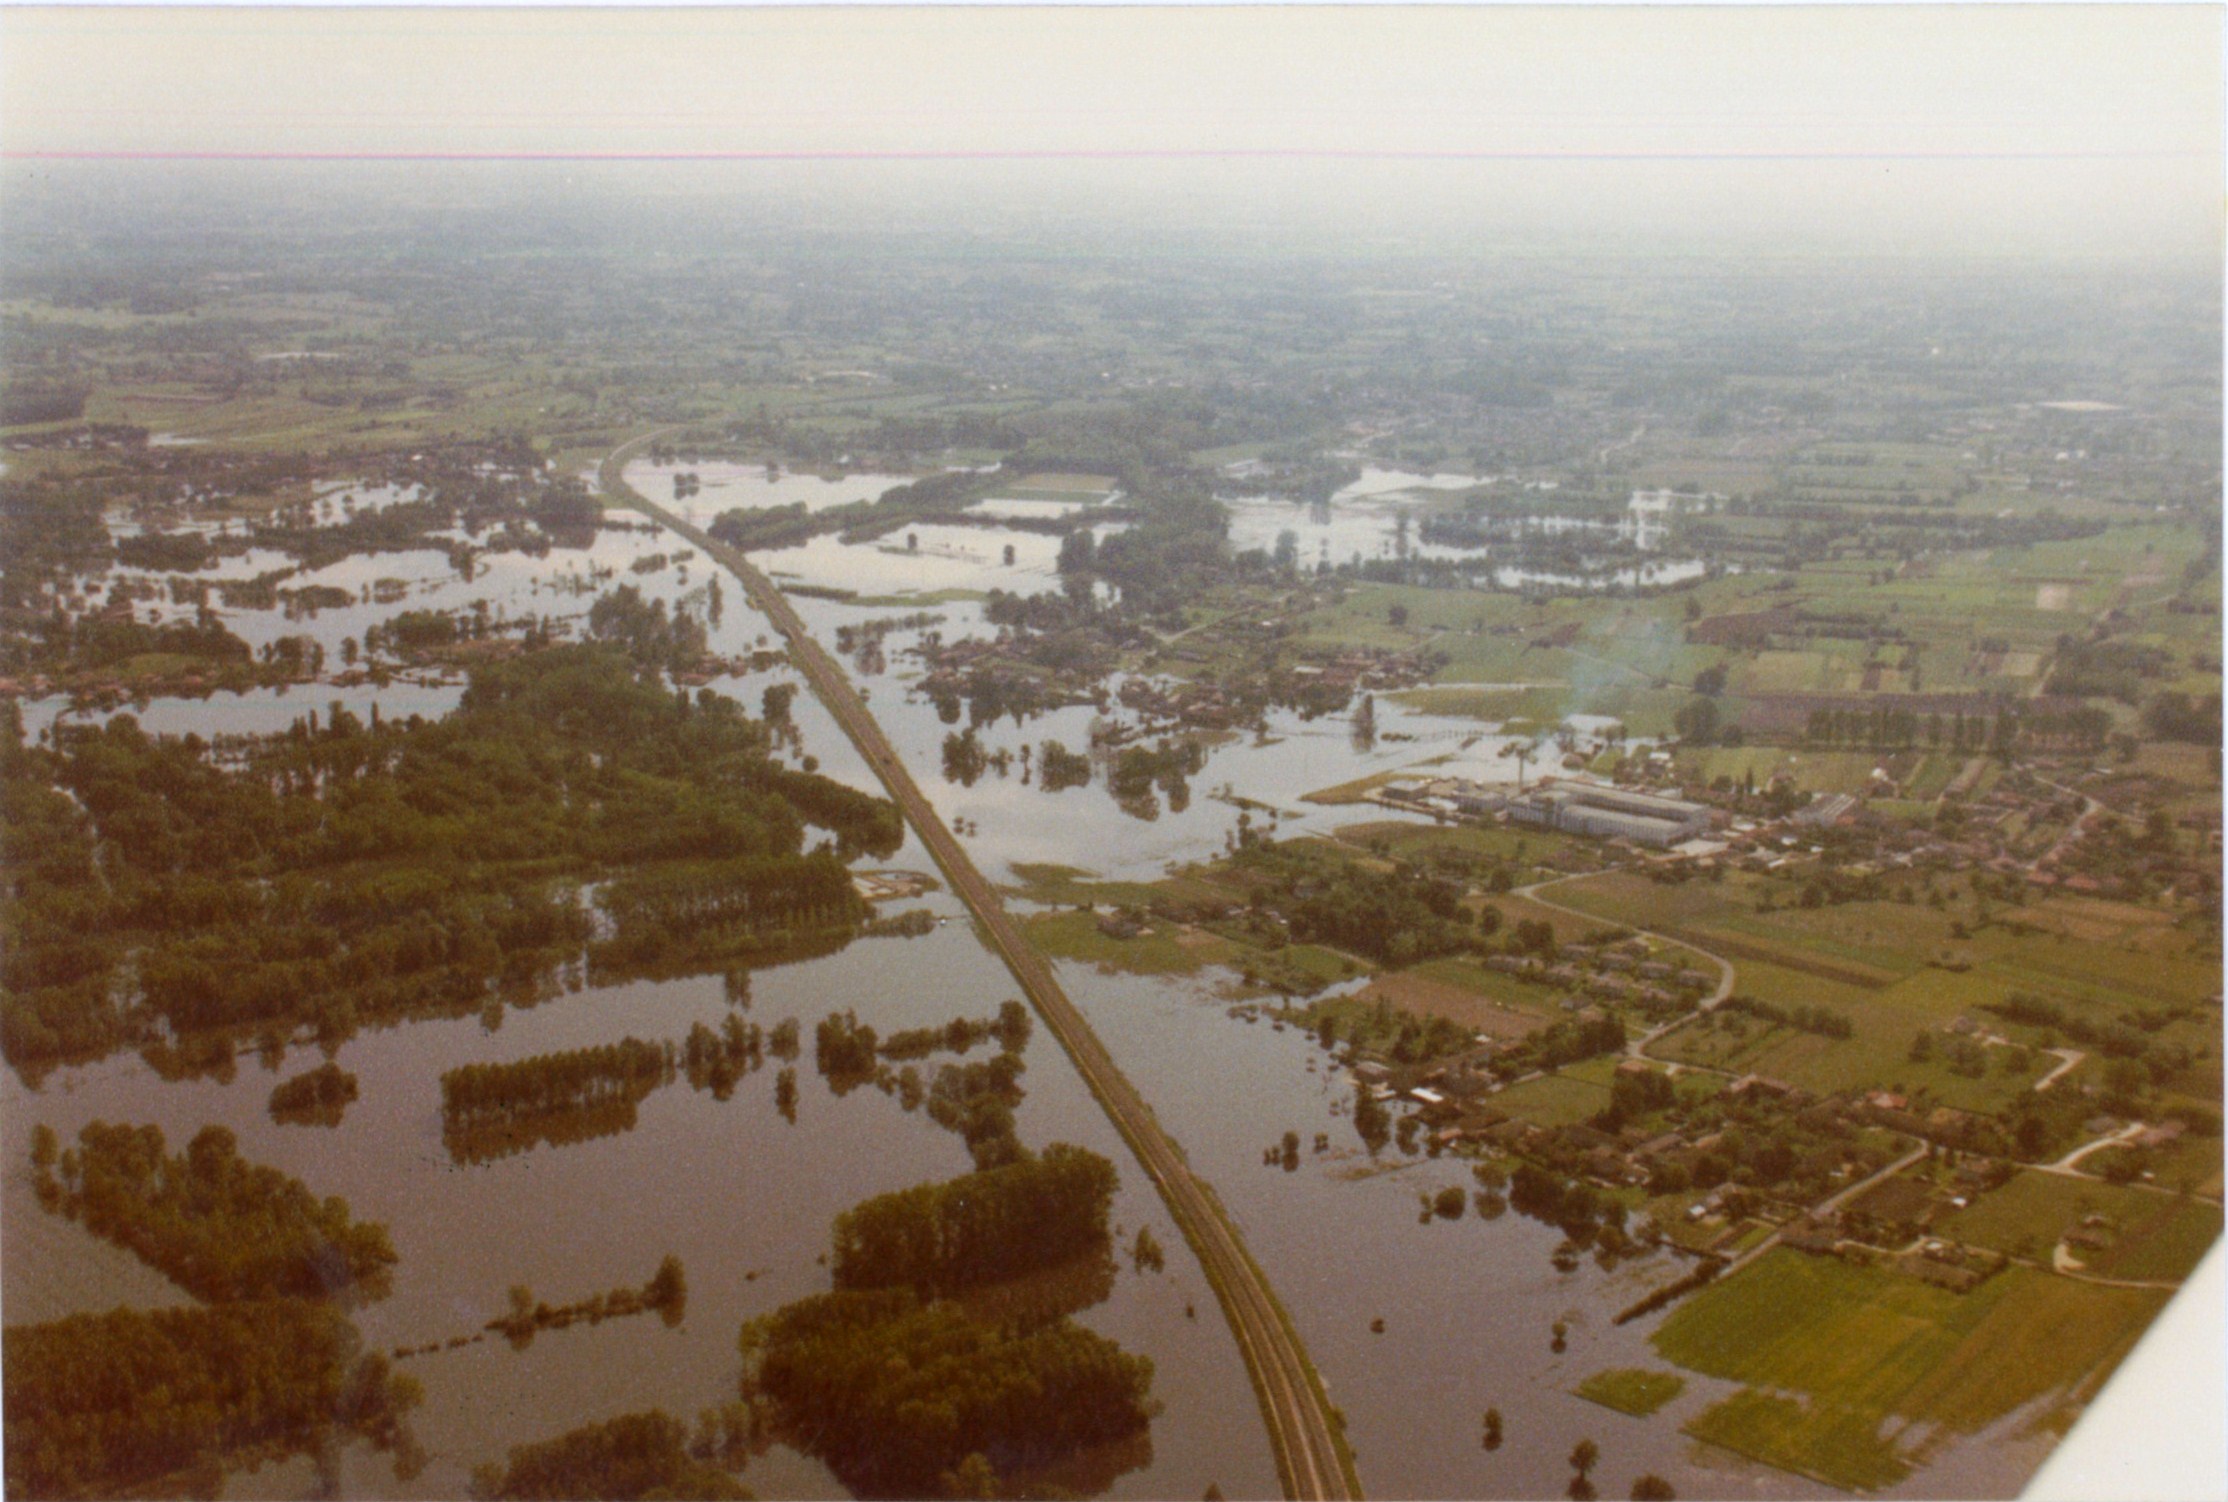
column 2078, row 127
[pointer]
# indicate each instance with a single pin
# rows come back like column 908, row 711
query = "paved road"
column 1311, row 1458
column 1826, row 1206
column 2066, row 1164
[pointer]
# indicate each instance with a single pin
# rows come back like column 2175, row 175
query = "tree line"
column 980, row 1228
column 1565, row 1042
column 1395, row 918
column 667, row 1293
column 977, row 1101
column 492, row 1110
column 566, row 1081
column 1010, row 1027
column 714, row 1061
column 1824, row 1021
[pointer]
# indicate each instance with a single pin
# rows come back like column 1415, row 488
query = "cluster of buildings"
column 887, row 886
column 1695, row 835
column 1196, row 705
column 1568, row 806
column 1450, row 797
column 1370, row 668
column 1611, row 813
column 1622, row 972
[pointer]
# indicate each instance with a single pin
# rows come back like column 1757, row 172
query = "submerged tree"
column 1371, row 1119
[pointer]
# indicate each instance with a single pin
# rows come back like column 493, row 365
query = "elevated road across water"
column 1311, row 1454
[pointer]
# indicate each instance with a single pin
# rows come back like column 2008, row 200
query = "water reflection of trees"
column 483, row 1141
column 1049, row 1293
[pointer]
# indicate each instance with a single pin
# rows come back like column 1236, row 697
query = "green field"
column 1627, row 659
column 2193, row 1163
column 1633, row 1390
column 1553, row 1100
column 1878, row 1053
column 1172, row 949
column 1515, row 845
column 1812, row 771
column 1843, row 1360
column 1839, row 1446
column 1351, row 792
column 1501, row 990
column 1076, row 936
column 2154, row 1236
column 1541, row 704
column 917, row 599
column 1869, row 961
column 1072, row 886
column 1857, row 943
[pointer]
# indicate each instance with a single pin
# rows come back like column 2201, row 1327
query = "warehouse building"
column 1607, row 813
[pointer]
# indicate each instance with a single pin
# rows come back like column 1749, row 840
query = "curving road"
column 1311, row 1455
column 1638, row 1047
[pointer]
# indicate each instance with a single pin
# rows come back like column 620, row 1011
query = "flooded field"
column 922, row 559
column 726, row 485
column 741, row 1196
column 744, row 1198
column 1379, row 517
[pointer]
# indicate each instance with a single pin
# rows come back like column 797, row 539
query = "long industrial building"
column 1609, row 813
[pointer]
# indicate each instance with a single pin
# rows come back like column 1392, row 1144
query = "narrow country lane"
column 1638, row 1047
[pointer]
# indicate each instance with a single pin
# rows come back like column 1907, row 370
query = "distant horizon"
column 2028, row 130
column 1246, row 208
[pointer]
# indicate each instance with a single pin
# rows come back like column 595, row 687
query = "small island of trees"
column 219, row 1226
column 488, row 1110
column 896, row 1394
column 315, row 1098
column 137, row 1402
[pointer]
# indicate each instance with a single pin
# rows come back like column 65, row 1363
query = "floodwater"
column 741, row 1196
column 1031, row 510
column 745, row 1199
column 1363, row 523
column 1342, row 531
column 727, row 485
column 922, row 559
column 256, row 711
column 1468, row 1304
column 1012, row 823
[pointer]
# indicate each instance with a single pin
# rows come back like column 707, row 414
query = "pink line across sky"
column 1109, row 154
